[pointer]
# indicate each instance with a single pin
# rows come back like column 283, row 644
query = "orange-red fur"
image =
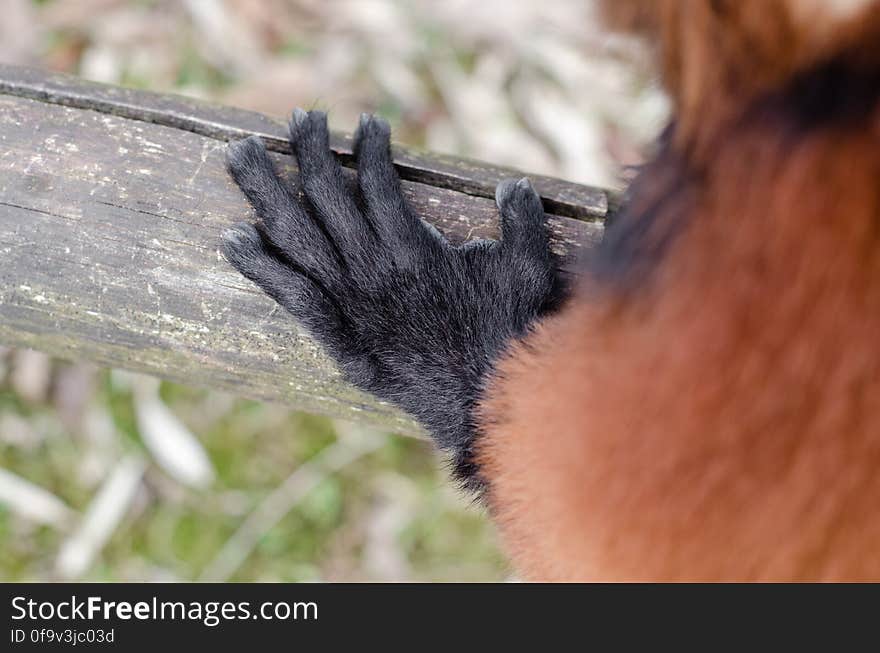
column 716, row 56
column 723, row 421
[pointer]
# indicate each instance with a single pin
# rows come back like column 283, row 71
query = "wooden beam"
column 112, row 202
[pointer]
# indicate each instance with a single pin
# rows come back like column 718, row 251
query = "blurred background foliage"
column 105, row 475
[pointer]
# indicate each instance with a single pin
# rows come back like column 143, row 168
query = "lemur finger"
column 285, row 223
column 380, row 185
column 303, row 297
column 325, row 185
column 523, row 229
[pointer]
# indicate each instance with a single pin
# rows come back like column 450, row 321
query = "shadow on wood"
column 112, row 202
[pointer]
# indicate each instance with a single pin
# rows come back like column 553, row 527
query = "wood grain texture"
column 226, row 123
column 109, row 234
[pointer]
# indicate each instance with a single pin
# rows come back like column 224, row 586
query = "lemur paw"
column 406, row 315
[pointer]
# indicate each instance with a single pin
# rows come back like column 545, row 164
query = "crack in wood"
column 462, row 175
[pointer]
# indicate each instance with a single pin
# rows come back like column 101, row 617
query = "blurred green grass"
column 173, row 532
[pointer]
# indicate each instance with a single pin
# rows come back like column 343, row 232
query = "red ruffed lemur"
column 704, row 402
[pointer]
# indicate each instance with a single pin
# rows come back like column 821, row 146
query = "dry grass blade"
column 101, row 518
column 175, row 449
column 33, row 502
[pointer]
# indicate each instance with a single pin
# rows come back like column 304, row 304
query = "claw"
column 232, row 236
column 524, row 183
column 502, row 191
column 239, row 233
column 236, row 149
column 299, row 117
column 375, row 124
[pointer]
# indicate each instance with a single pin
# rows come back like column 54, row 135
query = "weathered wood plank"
column 225, row 123
column 109, row 230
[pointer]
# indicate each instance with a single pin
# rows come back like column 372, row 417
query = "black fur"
column 842, row 90
column 406, row 315
column 653, row 213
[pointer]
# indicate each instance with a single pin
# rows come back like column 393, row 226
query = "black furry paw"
column 406, row 315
